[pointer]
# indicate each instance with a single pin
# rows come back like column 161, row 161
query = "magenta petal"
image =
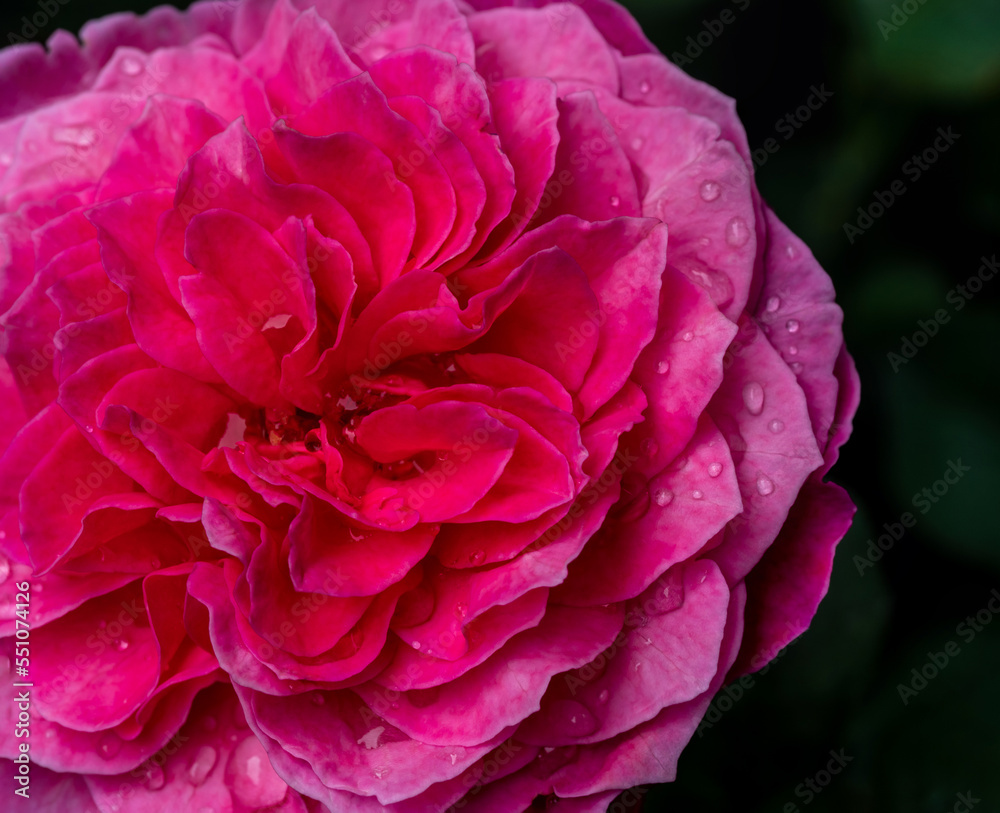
column 116, row 673
column 313, row 62
column 508, row 686
column 351, row 748
column 127, row 234
column 183, row 125
column 649, row 753
column 785, row 589
column 662, row 659
column 326, row 556
column 762, row 412
column 524, row 42
column 688, row 504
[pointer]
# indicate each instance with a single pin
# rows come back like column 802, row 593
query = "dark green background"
column 836, row 687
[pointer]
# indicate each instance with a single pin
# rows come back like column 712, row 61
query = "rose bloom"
column 408, row 406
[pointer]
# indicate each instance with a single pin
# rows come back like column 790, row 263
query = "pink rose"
column 408, row 406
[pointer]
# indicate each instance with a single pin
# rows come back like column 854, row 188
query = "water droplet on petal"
column 737, row 232
column 644, row 87
column 773, row 304
column 109, row 745
column 453, row 758
column 637, row 144
column 710, row 191
column 202, row 764
column 663, row 496
column 765, row 485
column 714, row 469
column 793, row 350
column 688, row 336
column 796, row 367
column 318, row 699
column 90, row 430
column 697, row 495
column 649, row 447
column 476, row 557
column 120, row 644
column 415, row 644
column 131, row 67
column 615, row 201
column 663, row 367
column 251, row 778
column 791, row 252
column 776, row 426
column 4, row 568
column 603, row 696
column 381, row 771
column 792, row 325
column 154, row 563
column 155, row 779
column 753, row 397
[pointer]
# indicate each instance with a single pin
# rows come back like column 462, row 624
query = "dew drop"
column 155, row 779
column 90, row 430
column 461, row 609
column 415, row 644
column 476, row 557
column 649, row 447
column 737, row 232
column 318, row 699
column 663, row 367
column 765, row 485
column 154, row 563
column 776, row 426
column 131, row 67
column 120, row 644
column 792, row 325
column 697, row 495
column 453, row 758
column 663, row 497
column 615, row 201
column 773, row 304
column 688, row 336
column 791, row 252
column 753, row 397
column 4, row 568
column 793, row 350
column 795, row 367
column 251, row 778
column 644, row 87
column 714, row 469
column 637, row 144
column 202, row 765
column 603, row 696
column 710, row 191
column 109, row 745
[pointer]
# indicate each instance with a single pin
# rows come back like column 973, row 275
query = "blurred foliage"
column 899, row 71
